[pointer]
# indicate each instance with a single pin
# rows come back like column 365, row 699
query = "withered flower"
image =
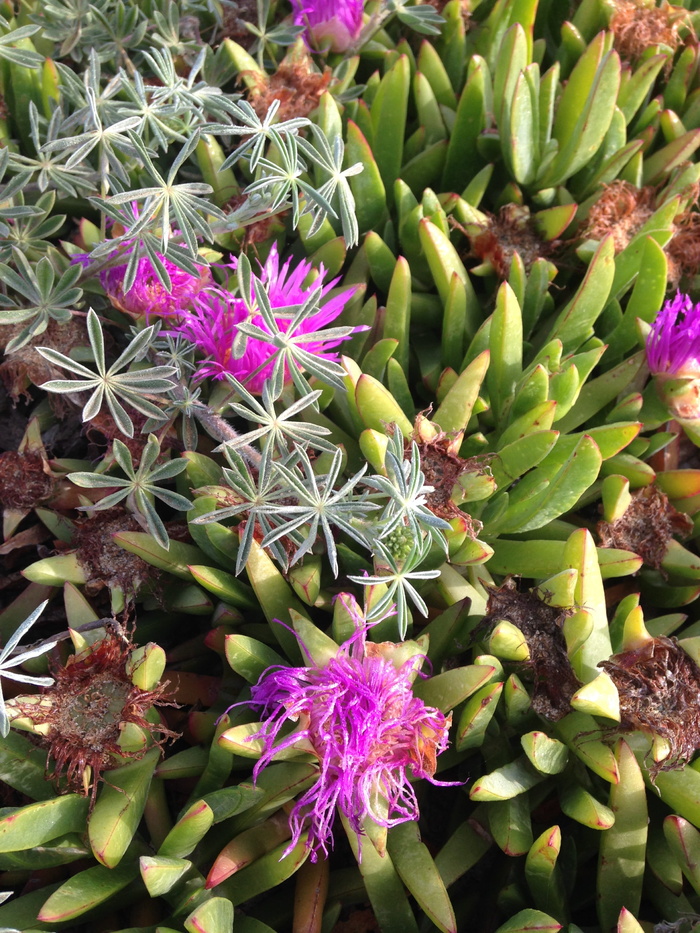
column 658, row 684
column 683, row 249
column 442, row 467
column 105, row 563
column 296, row 84
column 496, row 241
column 637, row 25
column 24, row 368
column 82, row 716
column 621, row 210
column 542, row 627
column 648, row 524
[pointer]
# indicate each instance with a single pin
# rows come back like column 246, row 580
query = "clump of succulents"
column 350, row 404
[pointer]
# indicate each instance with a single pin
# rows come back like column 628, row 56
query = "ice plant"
column 357, row 714
column 332, row 24
column 212, row 324
column 673, row 354
column 86, row 716
column 148, row 295
column 157, row 286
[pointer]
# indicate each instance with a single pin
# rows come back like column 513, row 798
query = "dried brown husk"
column 512, row 230
column 648, row 524
column 621, row 210
column 637, row 26
column 25, row 480
column 659, row 684
column 105, row 562
column 90, row 702
column 442, row 467
column 542, row 626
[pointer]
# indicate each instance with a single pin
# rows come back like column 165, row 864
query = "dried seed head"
column 442, row 467
column 637, row 25
column 621, row 210
column 236, row 15
column 86, row 710
column 106, row 563
column 542, row 626
column 648, row 524
column 658, row 685
column 683, row 249
column 510, row 231
column 295, row 84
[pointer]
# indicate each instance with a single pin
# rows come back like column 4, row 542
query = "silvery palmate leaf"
column 9, row 659
column 256, row 497
column 398, row 576
column 45, row 298
column 139, row 487
column 257, row 133
column 165, row 202
column 131, row 387
column 329, row 158
column 319, row 507
column 276, row 429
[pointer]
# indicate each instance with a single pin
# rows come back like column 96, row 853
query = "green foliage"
column 511, row 203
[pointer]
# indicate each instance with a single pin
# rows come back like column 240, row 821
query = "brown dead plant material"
column 648, row 524
column 26, row 368
column 101, row 431
column 86, row 709
column 658, row 685
column 297, row 87
column 621, row 210
column 24, row 480
column 683, row 249
column 637, row 25
column 542, row 627
column 236, row 14
column 510, row 231
column 107, row 564
column 358, row 921
column 442, row 467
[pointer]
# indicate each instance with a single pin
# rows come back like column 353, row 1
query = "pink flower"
column 673, row 355
column 357, row 714
column 147, row 295
column 212, row 324
column 673, row 344
column 332, row 23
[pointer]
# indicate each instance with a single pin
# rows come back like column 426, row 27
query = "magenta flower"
column 329, row 23
column 147, row 295
column 673, row 345
column 673, row 355
column 212, row 324
column 357, row 714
